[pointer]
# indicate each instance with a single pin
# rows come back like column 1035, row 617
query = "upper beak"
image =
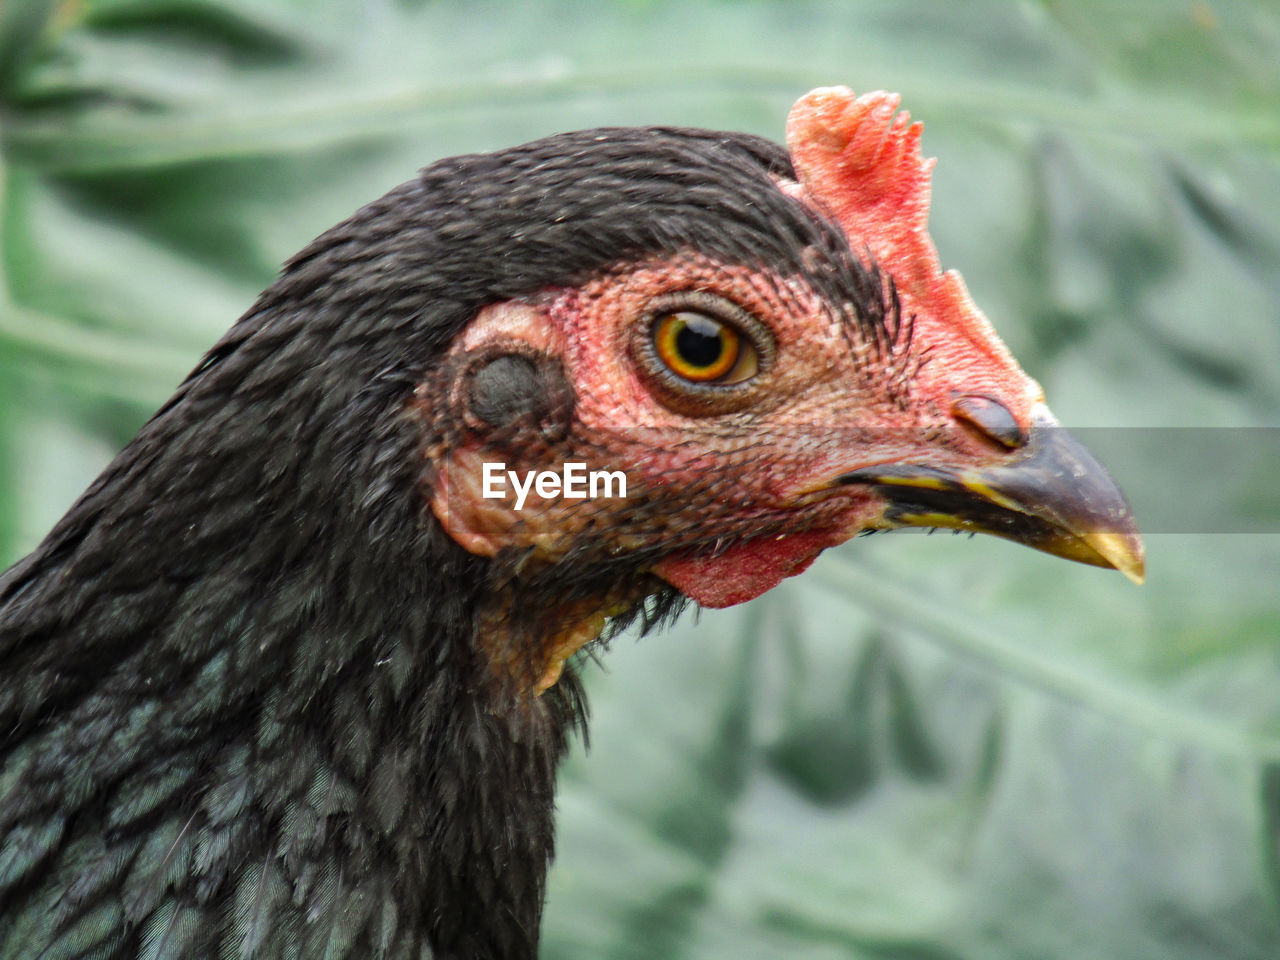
column 1053, row 496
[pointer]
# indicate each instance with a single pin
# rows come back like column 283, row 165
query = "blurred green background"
column 926, row 748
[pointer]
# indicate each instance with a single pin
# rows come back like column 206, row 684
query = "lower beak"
column 1053, row 496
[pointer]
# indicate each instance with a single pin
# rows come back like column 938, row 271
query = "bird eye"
column 701, row 349
column 702, row 354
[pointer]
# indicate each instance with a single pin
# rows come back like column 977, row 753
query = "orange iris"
column 696, row 347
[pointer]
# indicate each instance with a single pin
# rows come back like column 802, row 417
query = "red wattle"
column 742, row 572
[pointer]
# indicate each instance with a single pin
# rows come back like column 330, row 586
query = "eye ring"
column 700, row 352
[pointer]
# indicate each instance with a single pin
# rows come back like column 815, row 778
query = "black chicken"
column 285, row 682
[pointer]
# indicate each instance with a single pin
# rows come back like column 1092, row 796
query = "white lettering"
column 521, row 492
column 493, row 474
column 608, row 476
column 575, row 481
column 547, row 484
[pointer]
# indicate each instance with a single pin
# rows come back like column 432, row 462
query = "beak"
column 1053, row 496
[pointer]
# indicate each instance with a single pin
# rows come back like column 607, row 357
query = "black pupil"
column 699, row 342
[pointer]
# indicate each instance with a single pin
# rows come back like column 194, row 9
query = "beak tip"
column 1136, row 573
column 1122, row 550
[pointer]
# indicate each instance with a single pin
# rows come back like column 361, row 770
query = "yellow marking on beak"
column 987, row 492
column 927, row 483
column 944, row 520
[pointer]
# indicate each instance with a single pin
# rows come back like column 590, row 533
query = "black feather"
column 243, row 705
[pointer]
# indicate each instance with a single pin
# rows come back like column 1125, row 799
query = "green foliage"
column 924, row 749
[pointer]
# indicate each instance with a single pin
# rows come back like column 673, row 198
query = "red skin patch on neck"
column 745, row 571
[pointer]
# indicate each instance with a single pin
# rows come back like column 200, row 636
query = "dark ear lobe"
column 510, row 396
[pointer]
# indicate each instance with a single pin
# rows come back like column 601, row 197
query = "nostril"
column 991, row 418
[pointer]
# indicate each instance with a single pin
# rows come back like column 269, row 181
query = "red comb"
column 858, row 160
